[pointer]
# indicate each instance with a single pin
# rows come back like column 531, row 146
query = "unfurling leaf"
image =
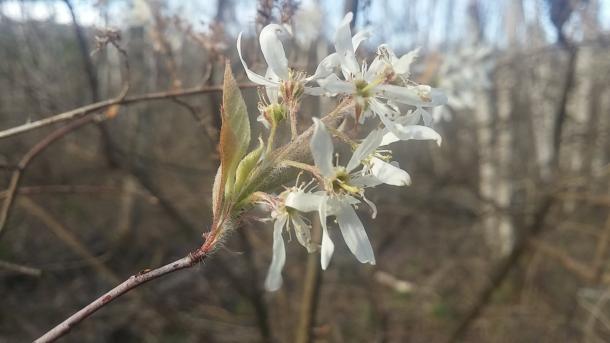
column 234, row 133
column 246, row 165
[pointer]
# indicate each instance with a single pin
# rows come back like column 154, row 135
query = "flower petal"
column 389, row 173
column 303, row 232
column 344, row 46
column 254, row 77
column 366, row 148
column 360, row 37
column 328, row 247
column 365, row 181
column 332, row 84
column 322, row 148
column 403, row 64
column 326, row 67
column 273, row 49
column 274, row 277
column 354, row 235
column 371, row 205
column 400, row 132
column 415, row 96
column 304, row 202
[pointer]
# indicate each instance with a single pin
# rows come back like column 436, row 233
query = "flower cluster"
column 380, row 92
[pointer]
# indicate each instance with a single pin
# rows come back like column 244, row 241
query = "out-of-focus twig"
column 21, row 269
column 78, row 189
column 25, row 161
column 311, row 292
column 98, row 106
column 163, row 45
column 68, row 238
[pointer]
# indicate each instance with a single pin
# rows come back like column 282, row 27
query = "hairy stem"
column 127, row 285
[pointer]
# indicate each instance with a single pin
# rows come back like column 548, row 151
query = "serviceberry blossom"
column 340, row 189
column 289, row 220
column 378, row 87
column 279, row 78
column 380, row 90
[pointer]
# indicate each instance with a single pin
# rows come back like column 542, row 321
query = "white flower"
column 270, row 41
column 394, row 64
column 290, row 220
column 369, row 84
column 341, row 188
column 375, row 161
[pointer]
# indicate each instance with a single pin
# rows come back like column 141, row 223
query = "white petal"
column 334, row 85
column 384, row 111
column 272, row 92
column 390, row 174
column 303, row 232
column 344, row 46
column 328, row 247
column 354, row 235
column 371, row 205
column 304, row 202
column 254, row 77
column 367, row 147
column 407, row 132
column 315, row 91
column 411, row 95
column 274, row 277
column 322, row 148
column 360, row 37
column 326, row 67
column 365, row 181
column 375, row 69
column 426, row 116
column 403, row 64
column 273, row 49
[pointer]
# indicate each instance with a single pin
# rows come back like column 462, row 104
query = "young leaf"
column 235, row 131
column 246, row 165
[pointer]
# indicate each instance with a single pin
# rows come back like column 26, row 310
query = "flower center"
column 341, row 183
column 362, row 88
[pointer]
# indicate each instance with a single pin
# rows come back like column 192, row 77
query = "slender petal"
column 272, row 92
column 367, row 147
column 322, row 148
column 360, row 37
column 410, row 95
column 345, row 47
column 304, row 202
column 303, row 232
column 398, row 132
column 328, row 247
column 333, row 84
column 371, row 205
column 273, row 49
column 254, row 77
column 403, row 64
column 274, row 277
column 354, row 235
column 389, row 173
column 326, row 67
column 366, row 181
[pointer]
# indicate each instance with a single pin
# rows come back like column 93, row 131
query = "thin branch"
column 17, row 268
column 78, row 189
column 17, row 174
column 503, row 270
column 68, row 238
column 311, row 292
column 84, row 110
column 134, row 281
